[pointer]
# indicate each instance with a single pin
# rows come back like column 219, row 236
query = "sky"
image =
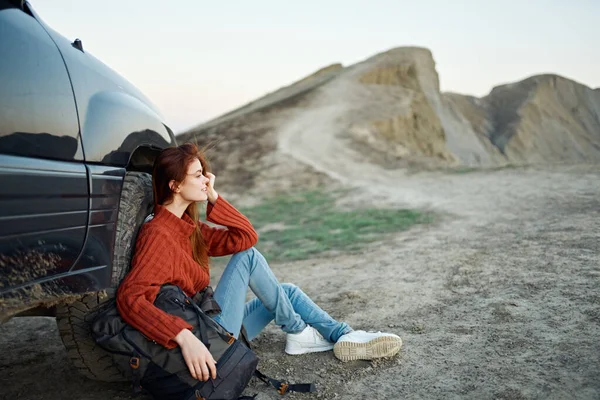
column 198, row 59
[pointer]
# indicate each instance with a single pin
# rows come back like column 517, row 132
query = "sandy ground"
column 499, row 299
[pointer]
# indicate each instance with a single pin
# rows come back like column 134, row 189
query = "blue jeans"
column 284, row 303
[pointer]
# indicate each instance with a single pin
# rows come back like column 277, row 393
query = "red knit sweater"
column 163, row 254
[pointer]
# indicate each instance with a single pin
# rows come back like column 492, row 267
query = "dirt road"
column 500, row 299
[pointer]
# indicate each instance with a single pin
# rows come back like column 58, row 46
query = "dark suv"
column 77, row 143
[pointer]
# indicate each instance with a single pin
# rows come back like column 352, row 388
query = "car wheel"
column 74, row 319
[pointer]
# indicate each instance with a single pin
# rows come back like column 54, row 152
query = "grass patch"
column 301, row 225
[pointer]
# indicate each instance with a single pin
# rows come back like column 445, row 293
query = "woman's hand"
column 210, row 188
column 197, row 357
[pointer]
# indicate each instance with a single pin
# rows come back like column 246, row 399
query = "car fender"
column 116, row 124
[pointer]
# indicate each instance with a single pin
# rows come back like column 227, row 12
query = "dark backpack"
column 162, row 371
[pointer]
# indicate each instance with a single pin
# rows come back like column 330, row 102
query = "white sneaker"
column 307, row 341
column 361, row 345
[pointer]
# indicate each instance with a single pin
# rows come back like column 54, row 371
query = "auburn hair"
column 172, row 164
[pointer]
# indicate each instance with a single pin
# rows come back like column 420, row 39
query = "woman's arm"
column 136, row 294
column 238, row 236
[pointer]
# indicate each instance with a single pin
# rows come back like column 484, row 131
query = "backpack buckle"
column 134, row 362
column 231, row 339
column 283, row 388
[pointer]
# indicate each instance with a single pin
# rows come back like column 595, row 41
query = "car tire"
column 74, row 319
column 135, row 205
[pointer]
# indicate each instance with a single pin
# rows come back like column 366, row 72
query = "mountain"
column 388, row 111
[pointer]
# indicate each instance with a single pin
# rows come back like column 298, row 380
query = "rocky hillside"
column 388, row 111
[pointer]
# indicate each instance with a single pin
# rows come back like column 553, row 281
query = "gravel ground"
column 498, row 299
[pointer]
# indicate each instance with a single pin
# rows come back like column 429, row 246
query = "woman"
column 174, row 247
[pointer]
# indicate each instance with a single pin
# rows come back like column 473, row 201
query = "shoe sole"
column 385, row 346
column 308, row 350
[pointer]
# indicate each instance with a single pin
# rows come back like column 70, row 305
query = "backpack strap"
column 198, row 396
column 206, row 301
column 284, row 387
column 243, row 336
column 202, row 316
column 136, row 376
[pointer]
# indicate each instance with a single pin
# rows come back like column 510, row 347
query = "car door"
column 44, row 195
